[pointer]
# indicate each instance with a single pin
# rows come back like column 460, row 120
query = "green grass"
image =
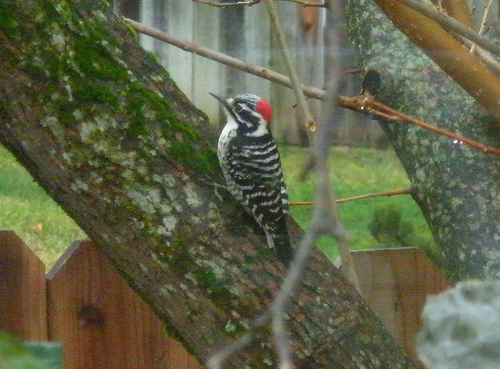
column 354, row 172
column 43, row 225
column 32, row 214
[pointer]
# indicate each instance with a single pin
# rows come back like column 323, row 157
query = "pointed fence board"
column 395, row 283
column 22, row 290
column 101, row 322
column 87, row 306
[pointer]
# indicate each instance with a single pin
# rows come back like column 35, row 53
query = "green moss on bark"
column 80, row 68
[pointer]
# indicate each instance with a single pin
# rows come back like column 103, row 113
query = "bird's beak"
column 221, row 100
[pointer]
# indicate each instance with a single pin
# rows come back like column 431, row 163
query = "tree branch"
column 196, row 49
column 482, row 28
column 452, row 24
column 404, row 191
column 367, row 105
column 446, row 51
column 354, row 103
column 227, row 5
column 303, row 3
column 306, row 116
column 458, row 9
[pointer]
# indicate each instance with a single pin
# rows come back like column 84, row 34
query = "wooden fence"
column 84, row 304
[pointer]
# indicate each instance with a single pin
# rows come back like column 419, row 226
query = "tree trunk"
column 105, row 131
column 456, row 186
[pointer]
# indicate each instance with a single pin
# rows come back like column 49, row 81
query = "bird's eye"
column 238, row 108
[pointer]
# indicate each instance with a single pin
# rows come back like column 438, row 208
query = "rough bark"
column 108, row 135
column 456, row 186
column 461, row 327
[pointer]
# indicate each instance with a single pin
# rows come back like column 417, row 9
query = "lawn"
column 44, row 226
column 32, row 214
column 354, row 172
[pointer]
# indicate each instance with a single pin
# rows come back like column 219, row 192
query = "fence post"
column 22, row 290
column 395, row 283
column 101, row 322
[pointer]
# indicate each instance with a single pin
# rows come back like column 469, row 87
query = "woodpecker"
column 251, row 165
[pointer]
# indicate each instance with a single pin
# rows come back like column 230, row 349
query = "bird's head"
column 251, row 113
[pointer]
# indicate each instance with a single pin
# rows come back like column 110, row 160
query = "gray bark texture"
column 104, row 130
column 456, row 186
column 461, row 327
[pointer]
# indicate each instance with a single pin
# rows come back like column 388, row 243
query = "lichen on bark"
column 454, row 185
column 110, row 137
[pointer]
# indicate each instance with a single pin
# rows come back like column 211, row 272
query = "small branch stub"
column 310, row 126
column 378, row 83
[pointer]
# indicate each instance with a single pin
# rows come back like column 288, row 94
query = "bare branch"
column 403, row 191
column 290, row 67
column 483, row 55
column 325, row 220
column 452, row 24
column 227, row 5
column 366, row 105
column 482, row 29
column 303, row 3
column 354, row 103
column 196, row 49
column 280, row 338
column 458, row 9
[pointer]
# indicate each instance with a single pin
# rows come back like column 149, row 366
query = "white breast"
column 227, row 134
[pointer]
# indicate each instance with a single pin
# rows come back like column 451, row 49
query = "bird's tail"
column 279, row 240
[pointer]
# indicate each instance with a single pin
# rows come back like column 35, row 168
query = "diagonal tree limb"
column 403, row 191
column 451, row 24
column 447, row 52
column 196, row 49
column 303, row 3
column 428, row 35
column 370, row 106
column 459, row 9
column 262, row 72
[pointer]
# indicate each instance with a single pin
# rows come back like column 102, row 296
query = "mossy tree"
column 109, row 136
column 436, row 79
column 105, row 131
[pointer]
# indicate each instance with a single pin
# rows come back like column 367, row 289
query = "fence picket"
column 395, row 283
column 87, row 306
column 22, row 290
column 100, row 321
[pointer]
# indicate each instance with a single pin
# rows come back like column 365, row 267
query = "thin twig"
column 484, row 56
column 324, row 221
column 290, row 67
column 452, row 24
column 370, row 106
column 353, row 103
column 280, row 339
column 227, row 5
column 303, row 3
column 403, row 191
column 482, row 29
column 196, row 49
